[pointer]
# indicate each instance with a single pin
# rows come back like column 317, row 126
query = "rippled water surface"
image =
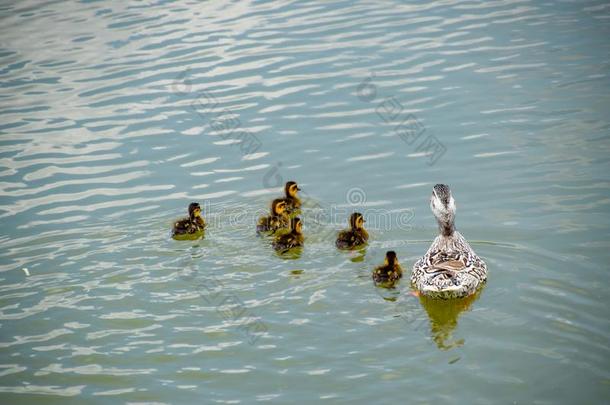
column 116, row 115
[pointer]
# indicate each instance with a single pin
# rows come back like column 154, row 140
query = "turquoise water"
column 116, row 115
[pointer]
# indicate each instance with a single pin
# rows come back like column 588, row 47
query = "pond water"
column 116, row 115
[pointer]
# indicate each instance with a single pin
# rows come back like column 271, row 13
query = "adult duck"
column 450, row 268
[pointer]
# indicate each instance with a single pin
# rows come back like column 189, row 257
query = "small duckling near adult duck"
column 292, row 239
column 189, row 227
column 293, row 202
column 277, row 220
column 390, row 271
column 355, row 236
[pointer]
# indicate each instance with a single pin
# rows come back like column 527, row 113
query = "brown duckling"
column 390, row 271
column 293, row 203
column 355, row 236
column 277, row 220
column 193, row 225
column 289, row 240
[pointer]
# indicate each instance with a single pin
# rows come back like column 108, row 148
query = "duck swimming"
column 277, row 220
column 293, row 203
column 191, row 226
column 390, row 271
column 355, row 236
column 290, row 240
column 450, row 268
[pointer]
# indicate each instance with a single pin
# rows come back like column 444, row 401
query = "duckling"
column 293, row 203
column 289, row 240
column 390, row 271
column 450, row 268
column 355, row 236
column 192, row 225
column 277, row 220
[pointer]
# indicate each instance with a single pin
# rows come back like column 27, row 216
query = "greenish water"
column 116, row 115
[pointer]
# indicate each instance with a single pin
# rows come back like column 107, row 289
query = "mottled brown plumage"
column 293, row 203
column 355, row 236
column 292, row 239
column 450, row 268
column 277, row 220
column 390, row 271
column 192, row 226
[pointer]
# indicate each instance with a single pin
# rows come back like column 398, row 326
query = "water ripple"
column 122, row 114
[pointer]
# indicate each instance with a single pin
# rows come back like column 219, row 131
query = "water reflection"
column 359, row 256
column 444, row 316
column 290, row 254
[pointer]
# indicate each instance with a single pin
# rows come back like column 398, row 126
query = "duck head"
column 390, row 258
column 278, row 207
column 296, row 225
column 194, row 211
column 291, row 189
column 443, row 208
column 356, row 221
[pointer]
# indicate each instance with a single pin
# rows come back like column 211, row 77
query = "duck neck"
column 446, row 228
column 196, row 220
